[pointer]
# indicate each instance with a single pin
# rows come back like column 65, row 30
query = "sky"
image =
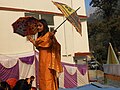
column 87, row 6
column 89, row 9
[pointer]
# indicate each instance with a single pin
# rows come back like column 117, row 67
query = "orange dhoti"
column 49, row 62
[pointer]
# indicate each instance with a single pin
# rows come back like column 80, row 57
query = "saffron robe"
column 49, row 61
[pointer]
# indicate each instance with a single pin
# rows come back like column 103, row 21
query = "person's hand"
column 54, row 31
column 28, row 81
column 29, row 37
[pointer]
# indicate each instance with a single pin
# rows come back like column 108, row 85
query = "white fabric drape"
column 27, row 70
column 113, row 69
column 82, row 79
column 70, row 69
column 61, row 79
column 7, row 61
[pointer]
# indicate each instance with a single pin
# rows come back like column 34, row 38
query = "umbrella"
column 11, row 82
column 25, row 26
column 70, row 15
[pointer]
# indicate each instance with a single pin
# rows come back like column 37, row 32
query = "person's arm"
column 30, row 38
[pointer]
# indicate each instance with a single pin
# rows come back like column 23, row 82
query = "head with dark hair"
column 5, row 85
column 45, row 27
column 32, row 77
column 26, row 79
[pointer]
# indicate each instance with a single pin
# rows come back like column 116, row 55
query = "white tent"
column 26, row 65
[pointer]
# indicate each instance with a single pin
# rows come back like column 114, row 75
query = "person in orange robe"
column 49, row 57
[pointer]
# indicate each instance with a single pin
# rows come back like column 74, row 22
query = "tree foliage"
column 104, row 27
column 107, row 7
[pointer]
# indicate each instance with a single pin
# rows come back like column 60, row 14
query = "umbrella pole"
column 35, row 58
column 60, row 24
column 65, row 20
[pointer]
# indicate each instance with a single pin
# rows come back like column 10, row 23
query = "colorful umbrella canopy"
column 70, row 14
column 26, row 26
column 11, row 82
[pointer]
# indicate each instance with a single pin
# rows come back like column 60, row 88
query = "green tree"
column 104, row 27
column 107, row 7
